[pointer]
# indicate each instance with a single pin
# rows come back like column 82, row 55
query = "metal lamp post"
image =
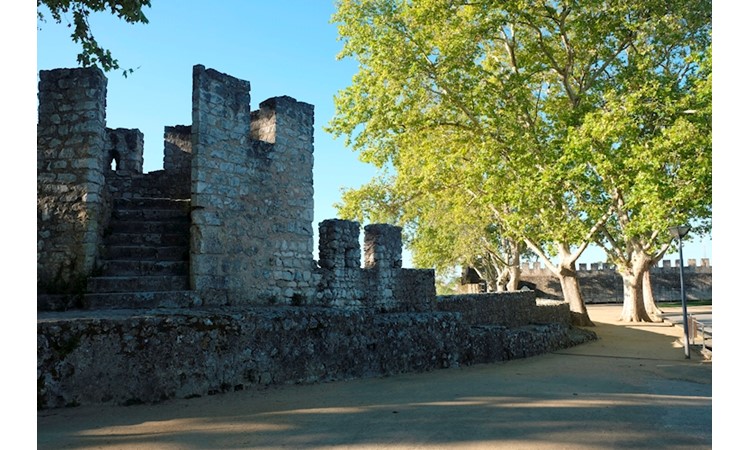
column 679, row 233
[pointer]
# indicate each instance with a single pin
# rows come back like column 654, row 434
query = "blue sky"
column 283, row 47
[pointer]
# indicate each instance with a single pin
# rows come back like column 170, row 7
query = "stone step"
column 140, row 267
column 152, row 203
column 148, row 214
column 100, row 285
column 57, row 302
column 154, row 184
column 176, row 225
column 146, row 257
column 138, row 300
column 153, row 253
column 148, row 239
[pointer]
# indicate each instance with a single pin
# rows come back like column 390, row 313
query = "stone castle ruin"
column 227, row 222
column 200, row 278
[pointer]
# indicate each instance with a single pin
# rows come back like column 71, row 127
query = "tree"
column 483, row 96
column 507, row 107
column 652, row 155
column 93, row 54
column 441, row 230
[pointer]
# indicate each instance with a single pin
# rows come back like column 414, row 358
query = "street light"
column 679, row 233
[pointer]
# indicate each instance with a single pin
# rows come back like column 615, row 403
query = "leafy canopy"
column 504, row 108
column 93, row 54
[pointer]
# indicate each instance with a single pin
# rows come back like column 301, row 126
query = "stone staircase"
column 146, row 257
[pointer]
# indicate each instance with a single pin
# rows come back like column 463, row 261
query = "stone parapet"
column 178, row 148
column 125, row 148
column 145, row 356
column 382, row 286
column 511, row 309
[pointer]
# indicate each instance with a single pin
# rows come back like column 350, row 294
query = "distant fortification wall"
column 600, row 283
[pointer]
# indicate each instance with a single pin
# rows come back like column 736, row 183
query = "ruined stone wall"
column 150, row 357
column 125, row 147
column 250, row 185
column 178, row 149
column 251, row 238
column 602, row 283
column 72, row 147
column 382, row 285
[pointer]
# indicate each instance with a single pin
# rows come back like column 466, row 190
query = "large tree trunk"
column 572, row 294
column 501, row 278
column 566, row 273
column 515, row 277
column 648, row 299
column 571, row 289
column 514, row 266
column 633, row 307
column 486, row 272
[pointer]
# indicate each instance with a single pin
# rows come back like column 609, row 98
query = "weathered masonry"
column 200, row 278
column 238, row 181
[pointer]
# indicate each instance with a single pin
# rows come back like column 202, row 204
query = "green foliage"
column 534, row 121
column 448, row 284
column 93, row 54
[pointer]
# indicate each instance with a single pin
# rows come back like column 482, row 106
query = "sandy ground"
column 632, row 388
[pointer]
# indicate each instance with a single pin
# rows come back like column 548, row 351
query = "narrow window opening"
column 114, row 162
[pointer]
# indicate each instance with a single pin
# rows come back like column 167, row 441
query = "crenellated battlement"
column 252, row 194
column 382, row 284
column 537, row 268
column 601, row 283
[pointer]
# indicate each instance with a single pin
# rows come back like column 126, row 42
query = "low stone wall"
column 127, row 357
column 511, row 309
column 551, row 311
